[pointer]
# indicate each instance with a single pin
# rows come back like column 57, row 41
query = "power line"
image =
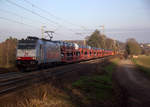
column 33, row 5
column 56, row 17
column 14, row 21
column 12, row 13
column 34, row 13
column 37, row 14
column 13, row 3
column 50, row 14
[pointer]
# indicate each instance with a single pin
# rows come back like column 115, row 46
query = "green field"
column 143, row 63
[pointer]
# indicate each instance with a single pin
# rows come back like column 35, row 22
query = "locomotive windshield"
column 26, row 44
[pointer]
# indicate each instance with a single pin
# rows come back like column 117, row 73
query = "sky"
column 75, row 19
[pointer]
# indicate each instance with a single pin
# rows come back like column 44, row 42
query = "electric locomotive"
column 35, row 52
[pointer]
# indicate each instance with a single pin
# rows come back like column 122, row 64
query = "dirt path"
column 135, row 85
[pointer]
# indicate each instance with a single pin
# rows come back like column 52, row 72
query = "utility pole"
column 42, row 31
column 103, row 29
column 50, row 34
column 84, row 41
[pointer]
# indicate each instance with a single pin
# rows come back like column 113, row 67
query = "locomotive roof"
column 29, row 40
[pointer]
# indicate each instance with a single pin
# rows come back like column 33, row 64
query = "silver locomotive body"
column 37, row 52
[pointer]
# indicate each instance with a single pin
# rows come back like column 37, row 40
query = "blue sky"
column 122, row 18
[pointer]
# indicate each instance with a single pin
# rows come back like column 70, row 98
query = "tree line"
column 99, row 40
column 8, row 52
column 130, row 47
column 133, row 47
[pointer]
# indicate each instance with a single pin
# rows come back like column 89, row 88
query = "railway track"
column 10, row 82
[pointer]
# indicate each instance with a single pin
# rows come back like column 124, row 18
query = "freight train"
column 35, row 52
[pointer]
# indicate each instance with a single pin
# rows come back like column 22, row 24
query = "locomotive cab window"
column 26, row 46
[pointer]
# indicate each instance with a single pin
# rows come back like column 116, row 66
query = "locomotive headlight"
column 34, row 58
column 18, row 58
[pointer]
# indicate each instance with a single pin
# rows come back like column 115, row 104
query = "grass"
column 98, row 87
column 110, row 67
column 143, row 63
column 45, row 96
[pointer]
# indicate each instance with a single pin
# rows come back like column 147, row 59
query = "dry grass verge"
column 143, row 64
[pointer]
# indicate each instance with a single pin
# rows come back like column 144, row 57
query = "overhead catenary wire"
column 56, row 17
column 14, row 21
column 35, row 13
column 32, row 12
column 15, row 14
column 17, row 22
